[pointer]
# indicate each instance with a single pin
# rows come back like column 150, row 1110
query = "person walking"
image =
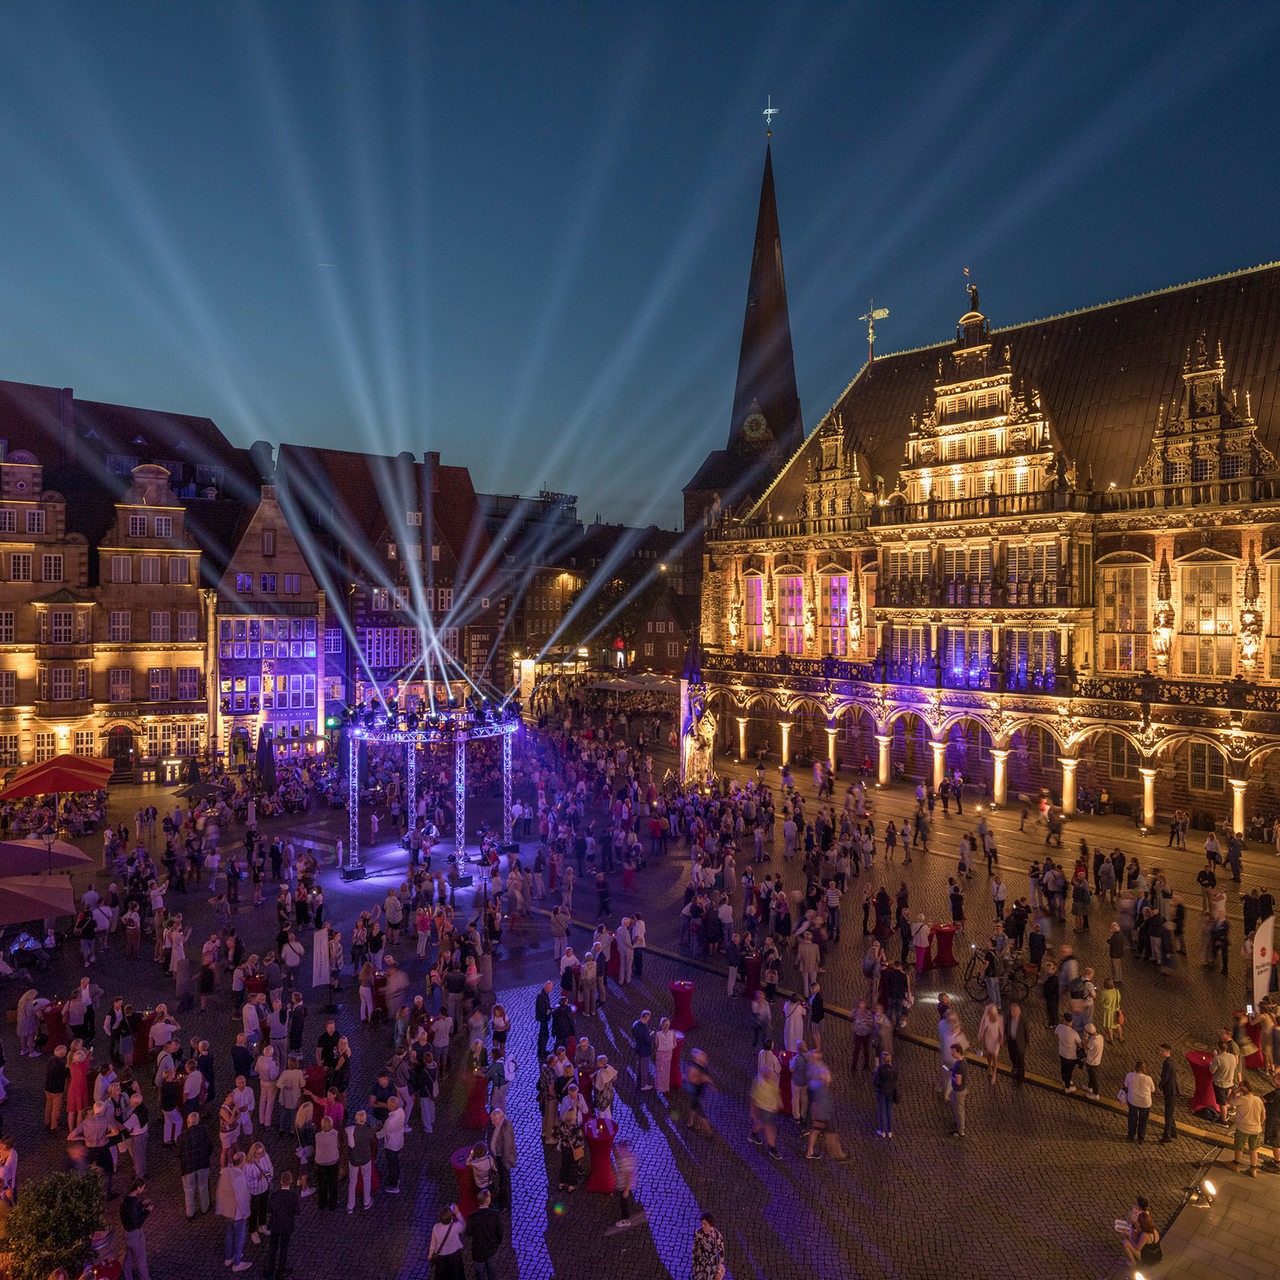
column 282, row 1212
column 1015, row 1037
column 1169, row 1091
column 360, row 1137
column 991, row 1039
column 766, row 1100
column 885, row 1082
column 1093, row 1046
column 233, row 1205
column 959, row 1093
column 1247, row 1128
column 1139, row 1089
column 708, row 1251
column 134, row 1211
column 1069, row 1046
column 484, row 1230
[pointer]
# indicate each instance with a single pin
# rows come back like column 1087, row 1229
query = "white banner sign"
column 1263, row 952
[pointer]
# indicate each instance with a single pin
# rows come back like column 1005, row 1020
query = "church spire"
column 766, row 403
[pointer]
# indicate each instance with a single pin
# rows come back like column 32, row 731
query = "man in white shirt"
column 391, row 1141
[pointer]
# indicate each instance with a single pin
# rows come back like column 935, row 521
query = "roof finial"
column 769, row 112
column 972, row 290
column 874, row 313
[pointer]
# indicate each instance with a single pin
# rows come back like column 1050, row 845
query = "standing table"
column 754, row 963
column 682, row 1006
column 945, row 937
column 467, row 1200
column 55, row 1027
column 1203, row 1097
column 1256, row 1059
column 142, row 1024
column 600, row 1133
column 786, row 1057
column 476, row 1115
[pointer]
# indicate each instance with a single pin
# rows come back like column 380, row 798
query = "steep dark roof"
column 1102, row 374
column 766, row 381
column 766, row 364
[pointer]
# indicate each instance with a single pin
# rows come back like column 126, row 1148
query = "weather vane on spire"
column 874, row 313
column 769, row 112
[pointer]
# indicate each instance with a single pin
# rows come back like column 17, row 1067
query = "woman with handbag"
column 570, row 1138
column 445, row 1249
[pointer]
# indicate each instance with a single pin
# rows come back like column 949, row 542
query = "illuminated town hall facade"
column 1044, row 556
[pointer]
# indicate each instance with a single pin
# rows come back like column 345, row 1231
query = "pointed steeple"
column 766, row 403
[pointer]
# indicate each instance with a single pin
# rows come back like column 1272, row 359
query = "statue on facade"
column 1250, row 617
column 1163, row 621
column 853, row 625
column 735, row 623
column 768, row 622
column 697, row 740
column 810, row 625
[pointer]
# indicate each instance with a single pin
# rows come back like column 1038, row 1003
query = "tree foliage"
column 52, row 1223
column 617, row 606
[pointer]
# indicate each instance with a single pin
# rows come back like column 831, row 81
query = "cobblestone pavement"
column 1039, row 1176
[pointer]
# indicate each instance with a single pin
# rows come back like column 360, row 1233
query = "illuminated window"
column 269, row 584
column 790, row 590
column 84, row 743
column 1032, row 572
column 333, row 640
column 8, row 748
column 158, row 683
column 833, row 614
column 753, row 588
column 188, row 684
column 1206, row 768
column 120, row 684
column 46, row 746
column 1125, row 617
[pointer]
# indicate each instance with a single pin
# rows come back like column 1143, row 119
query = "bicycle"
column 1013, row 981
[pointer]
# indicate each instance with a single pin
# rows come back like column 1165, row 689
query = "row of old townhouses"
column 164, row 594
column 1045, row 557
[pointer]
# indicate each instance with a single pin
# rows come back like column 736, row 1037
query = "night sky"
column 520, row 234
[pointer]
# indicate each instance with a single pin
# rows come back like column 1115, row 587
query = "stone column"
column 939, row 762
column 1000, row 775
column 742, row 737
column 1238, row 788
column 831, row 746
column 785, row 726
column 884, row 766
column 1148, row 795
column 1068, row 764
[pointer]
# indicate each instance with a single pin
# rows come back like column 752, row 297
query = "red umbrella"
column 62, row 773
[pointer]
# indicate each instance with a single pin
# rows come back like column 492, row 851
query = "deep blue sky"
column 520, row 234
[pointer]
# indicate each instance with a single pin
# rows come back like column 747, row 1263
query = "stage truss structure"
column 453, row 728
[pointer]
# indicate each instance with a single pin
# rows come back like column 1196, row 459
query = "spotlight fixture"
column 1203, row 1193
